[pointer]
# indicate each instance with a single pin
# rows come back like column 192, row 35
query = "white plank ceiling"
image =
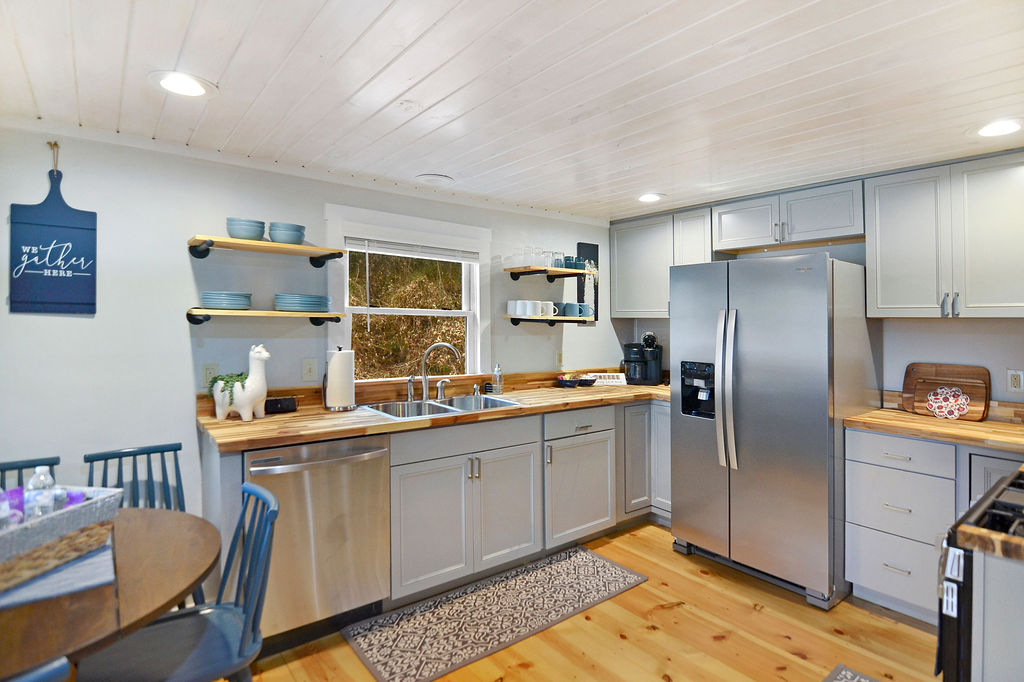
column 575, row 106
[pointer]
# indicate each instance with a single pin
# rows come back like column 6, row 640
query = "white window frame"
column 346, row 223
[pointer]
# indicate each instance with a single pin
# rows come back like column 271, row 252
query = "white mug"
column 522, row 308
column 547, row 307
column 533, row 308
column 511, row 307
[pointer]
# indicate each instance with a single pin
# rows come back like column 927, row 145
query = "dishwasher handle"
column 263, row 467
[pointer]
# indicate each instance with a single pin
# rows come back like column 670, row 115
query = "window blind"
column 411, row 250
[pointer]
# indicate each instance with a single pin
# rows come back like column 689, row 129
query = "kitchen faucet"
column 426, row 377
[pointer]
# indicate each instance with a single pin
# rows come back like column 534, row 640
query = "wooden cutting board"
column 966, row 377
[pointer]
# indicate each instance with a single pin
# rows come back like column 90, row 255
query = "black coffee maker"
column 642, row 361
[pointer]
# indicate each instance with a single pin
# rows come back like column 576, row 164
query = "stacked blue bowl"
column 226, row 300
column 287, row 233
column 243, row 228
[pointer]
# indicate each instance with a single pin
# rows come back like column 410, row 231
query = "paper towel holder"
column 323, row 389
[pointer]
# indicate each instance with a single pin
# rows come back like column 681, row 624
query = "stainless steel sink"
column 410, row 409
column 413, row 409
column 474, row 403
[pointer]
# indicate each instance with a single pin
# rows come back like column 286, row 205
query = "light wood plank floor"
column 693, row 619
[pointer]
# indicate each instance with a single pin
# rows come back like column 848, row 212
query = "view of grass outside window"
column 406, row 295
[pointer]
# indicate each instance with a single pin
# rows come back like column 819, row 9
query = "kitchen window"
column 401, row 298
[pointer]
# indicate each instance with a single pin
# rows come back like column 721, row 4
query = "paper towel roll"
column 340, row 390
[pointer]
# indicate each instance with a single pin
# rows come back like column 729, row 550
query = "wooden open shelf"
column 200, row 315
column 552, row 273
column 199, row 246
column 550, row 319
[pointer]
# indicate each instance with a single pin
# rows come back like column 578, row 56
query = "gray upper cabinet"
column 745, row 224
column 907, row 244
column 828, row 212
column 822, row 213
column 691, row 237
column 641, row 255
column 642, row 251
column 987, row 217
column 945, row 241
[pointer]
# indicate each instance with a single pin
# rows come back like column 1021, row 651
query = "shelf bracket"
column 515, row 322
column 192, row 317
column 201, row 251
column 320, row 261
column 514, row 276
column 319, row 321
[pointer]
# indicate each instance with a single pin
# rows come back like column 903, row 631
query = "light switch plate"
column 309, row 369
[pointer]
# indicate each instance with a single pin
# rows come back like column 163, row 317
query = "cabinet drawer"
column 901, row 568
column 578, row 422
column 912, row 505
column 910, row 454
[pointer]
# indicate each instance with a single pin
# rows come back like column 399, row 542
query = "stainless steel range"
column 982, row 588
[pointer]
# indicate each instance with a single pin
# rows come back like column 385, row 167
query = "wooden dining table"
column 159, row 557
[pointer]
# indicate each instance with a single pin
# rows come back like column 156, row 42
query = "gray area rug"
column 427, row 639
column 843, row 674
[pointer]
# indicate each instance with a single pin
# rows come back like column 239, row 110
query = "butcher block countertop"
column 311, row 422
column 988, row 433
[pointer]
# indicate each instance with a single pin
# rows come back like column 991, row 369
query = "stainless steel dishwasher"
column 331, row 545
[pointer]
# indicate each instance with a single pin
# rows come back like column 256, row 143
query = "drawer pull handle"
column 584, row 427
column 895, row 569
column 890, row 507
column 902, row 458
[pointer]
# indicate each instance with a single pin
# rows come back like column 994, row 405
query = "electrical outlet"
column 209, row 372
column 309, row 369
column 1015, row 380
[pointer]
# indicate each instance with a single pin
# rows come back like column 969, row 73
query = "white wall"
column 128, row 375
column 995, row 344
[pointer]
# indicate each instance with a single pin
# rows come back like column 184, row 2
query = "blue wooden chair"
column 56, row 670
column 23, row 465
column 213, row 640
column 142, row 486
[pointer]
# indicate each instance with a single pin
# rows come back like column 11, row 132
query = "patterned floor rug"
column 843, row 674
column 425, row 640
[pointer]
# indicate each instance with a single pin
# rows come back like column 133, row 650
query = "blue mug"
column 586, row 310
column 571, row 309
column 559, row 308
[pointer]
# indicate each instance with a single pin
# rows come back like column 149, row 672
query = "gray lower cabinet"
column 455, row 516
column 900, row 500
column 636, row 428
column 661, row 456
column 579, row 474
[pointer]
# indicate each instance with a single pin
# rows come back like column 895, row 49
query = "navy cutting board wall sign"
column 53, row 256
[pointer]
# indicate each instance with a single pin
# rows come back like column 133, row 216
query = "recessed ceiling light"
column 183, row 84
column 435, row 178
column 1003, row 127
column 650, row 197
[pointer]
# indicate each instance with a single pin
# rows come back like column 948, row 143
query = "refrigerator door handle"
column 730, row 422
column 719, row 383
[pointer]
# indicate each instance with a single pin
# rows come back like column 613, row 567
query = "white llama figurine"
column 249, row 400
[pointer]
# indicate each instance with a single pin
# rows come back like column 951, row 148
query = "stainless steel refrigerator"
column 768, row 355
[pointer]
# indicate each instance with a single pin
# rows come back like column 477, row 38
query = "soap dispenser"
column 497, row 380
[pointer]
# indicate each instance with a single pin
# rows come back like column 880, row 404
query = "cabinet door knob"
column 549, row 454
column 943, row 306
column 956, row 304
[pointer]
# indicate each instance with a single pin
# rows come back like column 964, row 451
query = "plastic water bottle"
column 39, row 493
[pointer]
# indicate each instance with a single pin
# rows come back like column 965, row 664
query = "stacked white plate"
column 226, row 300
column 302, row 303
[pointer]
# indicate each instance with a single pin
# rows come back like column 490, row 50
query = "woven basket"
column 43, row 543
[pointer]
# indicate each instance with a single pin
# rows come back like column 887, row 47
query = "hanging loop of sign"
column 55, row 148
